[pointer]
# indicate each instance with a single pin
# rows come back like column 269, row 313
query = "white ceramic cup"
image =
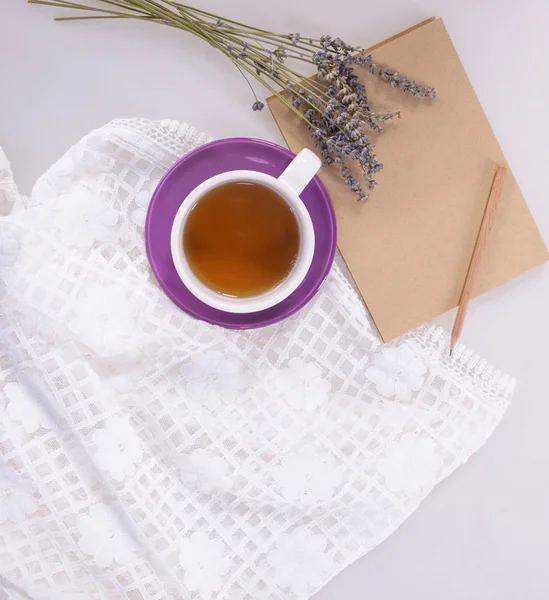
column 288, row 186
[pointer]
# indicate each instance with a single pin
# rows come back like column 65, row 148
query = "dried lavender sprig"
column 402, row 82
column 336, row 109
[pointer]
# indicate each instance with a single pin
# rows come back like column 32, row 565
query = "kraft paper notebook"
column 409, row 246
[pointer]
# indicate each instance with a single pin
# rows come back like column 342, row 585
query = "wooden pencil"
column 478, row 252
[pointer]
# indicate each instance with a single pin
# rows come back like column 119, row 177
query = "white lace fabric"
column 148, row 455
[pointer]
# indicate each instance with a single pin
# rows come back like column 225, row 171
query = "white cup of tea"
column 288, row 186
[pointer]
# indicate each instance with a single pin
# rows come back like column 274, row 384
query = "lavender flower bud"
column 294, row 38
column 326, row 40
column 280, row 54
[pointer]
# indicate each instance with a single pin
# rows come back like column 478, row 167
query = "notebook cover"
column 409, row 246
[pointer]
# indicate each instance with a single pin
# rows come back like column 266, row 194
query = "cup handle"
column 301, row 170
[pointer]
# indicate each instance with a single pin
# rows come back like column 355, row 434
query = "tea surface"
column 241, row 239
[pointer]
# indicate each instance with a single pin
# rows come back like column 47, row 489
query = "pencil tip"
column 451, row 350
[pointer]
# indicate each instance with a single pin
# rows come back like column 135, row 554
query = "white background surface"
column 484, row 533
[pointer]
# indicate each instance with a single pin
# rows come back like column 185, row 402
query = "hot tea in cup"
column 243, row 241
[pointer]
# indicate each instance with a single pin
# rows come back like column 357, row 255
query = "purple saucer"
column 201, row 164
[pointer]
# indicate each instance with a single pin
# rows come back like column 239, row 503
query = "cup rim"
column 269, row 298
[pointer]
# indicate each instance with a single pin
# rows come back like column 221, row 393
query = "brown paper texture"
column 409, row 246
